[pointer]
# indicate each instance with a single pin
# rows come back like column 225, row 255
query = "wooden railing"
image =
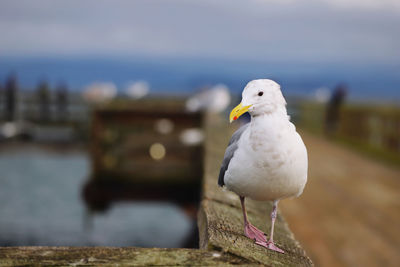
column 379, row 127
column 371, row 129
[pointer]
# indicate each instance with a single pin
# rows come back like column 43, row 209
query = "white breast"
column 270, row 162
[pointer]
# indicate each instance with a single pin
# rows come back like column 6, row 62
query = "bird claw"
column 254, row 233
column 270, row 245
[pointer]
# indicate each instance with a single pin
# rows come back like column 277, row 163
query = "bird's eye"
column 260, row 93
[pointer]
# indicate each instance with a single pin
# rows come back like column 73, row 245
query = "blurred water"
column 40, row 204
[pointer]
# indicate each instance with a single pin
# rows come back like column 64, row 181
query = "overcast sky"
column 358, row 31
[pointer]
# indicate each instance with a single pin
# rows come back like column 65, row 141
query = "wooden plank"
column 111, row 256
column 220, row 216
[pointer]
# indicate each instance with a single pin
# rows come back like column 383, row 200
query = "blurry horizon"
column 178, row 46
column 185, row 76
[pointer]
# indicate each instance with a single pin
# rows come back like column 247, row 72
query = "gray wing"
column 230, row 150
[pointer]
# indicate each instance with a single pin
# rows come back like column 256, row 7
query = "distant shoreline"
column 369, row 82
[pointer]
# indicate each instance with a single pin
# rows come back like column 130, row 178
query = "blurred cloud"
column 306, row 31
column 367, row 4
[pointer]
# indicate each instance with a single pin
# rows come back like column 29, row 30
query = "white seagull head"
column 261, row 96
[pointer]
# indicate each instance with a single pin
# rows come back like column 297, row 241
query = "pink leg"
column 270, row 244
column 250, row 230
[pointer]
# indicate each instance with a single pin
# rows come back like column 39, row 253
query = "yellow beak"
column 238, row 111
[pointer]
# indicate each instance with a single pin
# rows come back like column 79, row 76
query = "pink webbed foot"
column 270, row 245
column 254, row 233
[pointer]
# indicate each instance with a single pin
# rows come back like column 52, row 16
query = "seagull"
column 266, row 159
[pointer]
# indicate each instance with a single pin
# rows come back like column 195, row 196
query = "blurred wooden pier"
column 349, row 213
column 220, row 226
column 139, row 152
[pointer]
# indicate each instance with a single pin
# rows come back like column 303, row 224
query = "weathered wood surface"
column 108, row 256
column 349, row 213
column 220, row 216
